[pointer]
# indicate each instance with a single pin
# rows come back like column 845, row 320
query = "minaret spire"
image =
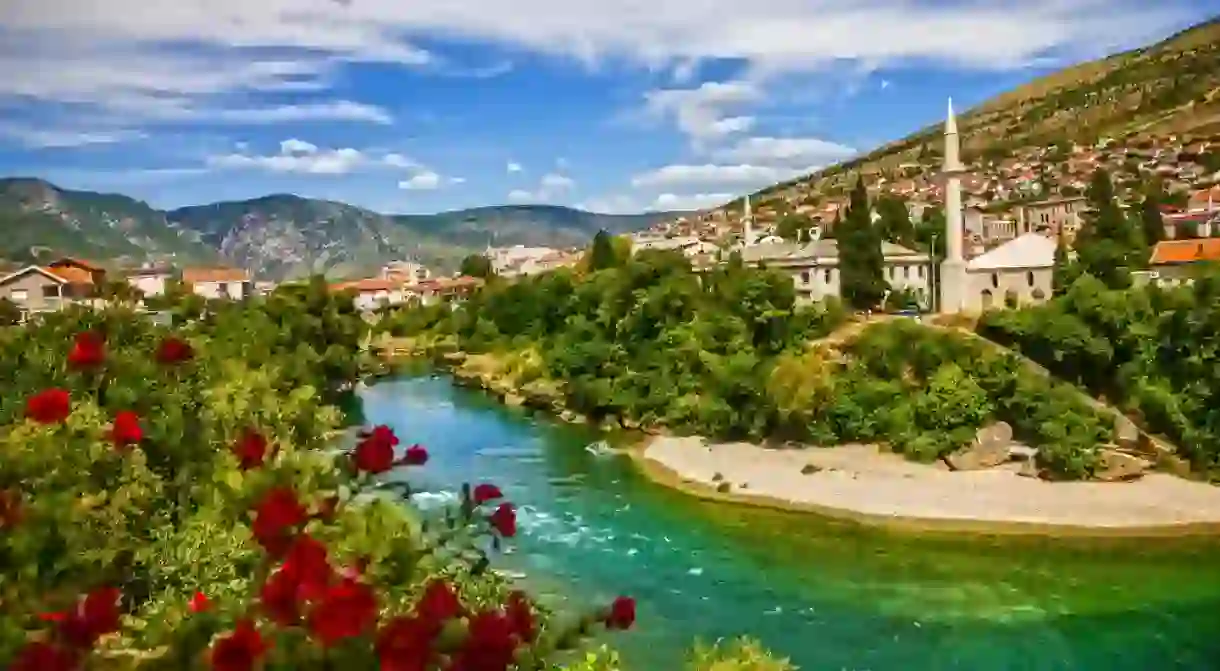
column 953, row 277
column 747, row 224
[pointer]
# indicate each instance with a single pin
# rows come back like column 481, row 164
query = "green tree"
column 1065, row 271
column 1108, row 246
column 10, row 314
column 895, row 221
column 1152, row 225
column 476, row 265
column 602, row 253
column 793, row 226
column 861, row 264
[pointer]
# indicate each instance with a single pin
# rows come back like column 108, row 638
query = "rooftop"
column 1031, row 250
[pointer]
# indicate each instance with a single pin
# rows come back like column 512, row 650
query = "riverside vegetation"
column 644, row 341
column 172, row 498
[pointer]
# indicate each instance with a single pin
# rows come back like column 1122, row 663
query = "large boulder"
column 1126, row 433
column 991, row 447
column 1118, row 466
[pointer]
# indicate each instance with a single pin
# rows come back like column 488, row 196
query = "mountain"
column 278, row 236
column 1171, row 88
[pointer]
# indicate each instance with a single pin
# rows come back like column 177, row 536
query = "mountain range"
column 277, row 236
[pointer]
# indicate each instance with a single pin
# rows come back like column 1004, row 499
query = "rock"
column 1172, row 463
column 514, row 400
column 1029, row 468
column 453, row 357
column 990, row 447
column 1126, row 433
column 568, row 416
column 1120, row 467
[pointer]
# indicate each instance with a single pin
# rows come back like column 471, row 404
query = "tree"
column 1108, row 247
column 793, row 226
column 602, row 253
column 895, row 221
column 10, row 313
column 1152, row 225
column 476, row 265
column 861, row 264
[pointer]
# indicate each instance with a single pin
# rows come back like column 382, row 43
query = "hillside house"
column 373, row 293
column 1018, row 272
column 150, row 280
column 49, row 288
column 405, row 271
column 1173, row 261
column 218, row 283
column 446, row 289
column 1056, row 215
column 814, row 267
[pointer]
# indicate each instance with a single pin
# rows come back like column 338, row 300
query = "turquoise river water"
column 830, row 595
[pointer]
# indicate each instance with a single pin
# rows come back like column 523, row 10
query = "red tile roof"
column 194, row 275
column 1186, row 251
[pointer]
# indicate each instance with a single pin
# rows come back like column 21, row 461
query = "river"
column 830, row 595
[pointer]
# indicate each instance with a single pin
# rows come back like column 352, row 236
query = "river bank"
column 868, row 485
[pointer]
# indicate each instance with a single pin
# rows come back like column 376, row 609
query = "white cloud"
column 513, row 167
column 521, row 196
column 701, row 113
column 427, row 180
column 709, row 174
column 800, row 151
column 550, row 187
column 33, row 137
column 885, row 84
column 617, row 204
column 693, row 201
column 552, row 182
column 337, row 110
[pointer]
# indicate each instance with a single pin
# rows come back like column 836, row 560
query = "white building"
column 149, row 280
column 226, row 283
column 814, row 267
column 405, row 271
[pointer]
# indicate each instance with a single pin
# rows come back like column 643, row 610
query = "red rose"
column 381, row 433
column 404, row 644
column 239, row 650
column 199, row 603
column 621, row 614
column 490, row 645
column 438, row 603
column 521, row 614
column 305, row 576
column 416, row 455
column 174, row 350
column 126, row 429
column 276, row 518
column 504, row 520
column 48, row 407
column 43, row 656
column 279, row 598
column 10, row 509
column 486, row 492
column 347, row 610
column 373, row 456
column 251, row 449
column 88, row 350
column 94, row 616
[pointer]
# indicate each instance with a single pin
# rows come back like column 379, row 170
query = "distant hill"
column 278, row 236
column 1171, row 87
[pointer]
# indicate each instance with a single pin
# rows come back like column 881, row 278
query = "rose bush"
column 171, row 498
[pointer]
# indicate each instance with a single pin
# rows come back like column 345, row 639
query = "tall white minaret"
column 747, row 223
column 953, row 278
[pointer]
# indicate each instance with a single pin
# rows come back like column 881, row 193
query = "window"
column 906, row 272
column 828, row 275
column 20, row 295
column 222, row 288
column 50, row 291
column 995, row 280
column 920, row 270
column 1029, row 277
column 804, row 277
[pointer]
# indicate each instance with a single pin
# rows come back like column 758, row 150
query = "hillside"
column 277, row 236
column 1165, row 92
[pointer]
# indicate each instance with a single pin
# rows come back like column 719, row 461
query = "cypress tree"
column 1109, row 246
column 861, row 264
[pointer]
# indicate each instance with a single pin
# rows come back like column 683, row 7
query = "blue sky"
column 419, row 106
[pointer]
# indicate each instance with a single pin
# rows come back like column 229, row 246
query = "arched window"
column 804, row 277
column 987, row 298
column 995, row 280
column 1029, row 277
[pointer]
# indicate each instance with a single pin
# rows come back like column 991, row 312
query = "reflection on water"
column 831, row 595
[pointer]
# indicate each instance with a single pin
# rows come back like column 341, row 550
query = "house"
column 1173, row 261
column 1056, row 215
column 150, row 280
column 46, row 289
column 228, row 283
column 373, row 293
column 444, row 289
column 814, row 267
column 1018, row 272
column 408, row 272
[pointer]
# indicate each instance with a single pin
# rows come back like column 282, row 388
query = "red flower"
column 621, row 614
column 404, row 644
column 347, row 610
column 438, row 603
column 521, row 614
column 251, row 449
column 305, row 576
column 88, row 350
column 490, row 646
column 276, row 518
column 486, row 492
column 48, row 407
column 278, row 597
column 43, row 656
column 199, row 603
column 126, row 429
column 174, row 350
column 240, row 650
column 381, row 433
column 10, row 509
column 94, row 616
column 416, row 456
column 373, row 456
column 504, row 520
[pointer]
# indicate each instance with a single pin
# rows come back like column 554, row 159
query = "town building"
column 405, row 271
column 1054, row 217
column 51, row 287
column 219, row 283
column 373, row 293
column 814, row 267
column 1173, row 262
column 150, row 280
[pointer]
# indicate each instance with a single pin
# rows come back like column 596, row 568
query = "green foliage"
column 10, row 313
column 1152, row 350
column 1108, row 246
column 742, row 654
column 602, row 253
column 476, row 265
column 861, row 263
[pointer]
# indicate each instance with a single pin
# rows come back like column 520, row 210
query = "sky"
column 417, row 106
